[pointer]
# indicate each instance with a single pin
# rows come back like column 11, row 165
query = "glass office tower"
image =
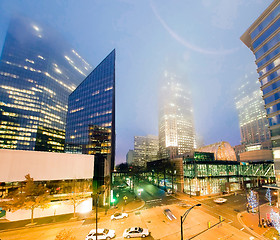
column 263, row 39
column 252, row 116
column 176, row 126
column 90, row 127
column 38, row 71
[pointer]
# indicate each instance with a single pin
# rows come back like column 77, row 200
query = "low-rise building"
column 56, row 170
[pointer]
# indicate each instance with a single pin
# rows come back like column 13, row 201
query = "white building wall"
column 43, row 166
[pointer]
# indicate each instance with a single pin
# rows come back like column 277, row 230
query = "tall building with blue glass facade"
column 38, row 71
column 263, row 39
column 90, row 127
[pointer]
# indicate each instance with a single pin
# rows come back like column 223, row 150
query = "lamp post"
column 97, row 199
column 259, row 210
column 184, row 217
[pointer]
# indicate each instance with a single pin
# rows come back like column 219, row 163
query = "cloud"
column 187, row 44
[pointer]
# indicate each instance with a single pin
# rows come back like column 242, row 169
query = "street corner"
column 259, row 223
column 134, row 205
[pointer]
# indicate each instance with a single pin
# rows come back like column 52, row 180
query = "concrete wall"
column 43, row 166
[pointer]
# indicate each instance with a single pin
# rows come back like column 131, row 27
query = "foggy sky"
column 199, row 39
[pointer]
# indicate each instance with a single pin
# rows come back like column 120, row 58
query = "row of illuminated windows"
column 95, row 92
column 268, row 57
column 267, row 33
column 270, row 77
column 43, row 121
column 75, row 129
column 88, row 106
column 32, row 108
column 265, row 22
column 15, row 137
column 15, row 133
column 270, row 66
column 86, row 117
column 82, row 97
column 268, row 46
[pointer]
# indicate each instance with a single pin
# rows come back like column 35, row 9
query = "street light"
column 259, row 209
column 184, row 217
column 97, row 199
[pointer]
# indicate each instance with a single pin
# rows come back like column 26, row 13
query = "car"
column 167, row 212
column 136, row 232
column 102, row 233
column 220, row 200
column 184, row 205
column 119, row 216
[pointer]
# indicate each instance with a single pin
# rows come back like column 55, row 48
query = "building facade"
column 263, row 39
column 252, row 116
column 145, row 150
column 38, row 71
column 90, row 127
column 176, row 125
column 200, row 173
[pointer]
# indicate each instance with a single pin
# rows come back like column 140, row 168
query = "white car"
column 220, row 200
column 136, row 232
column 102, row 233
column 119, row 216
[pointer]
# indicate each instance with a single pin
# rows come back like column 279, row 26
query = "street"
column 153, row 219
column 152, row 216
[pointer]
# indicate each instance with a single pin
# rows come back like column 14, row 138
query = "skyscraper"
column 263, row 39
column 252, row 116
column 176, row 127
column 90, row 127
column 145, row 150
column 129, row 157
column 38, row 71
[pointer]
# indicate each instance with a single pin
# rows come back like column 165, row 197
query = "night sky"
column 198, row 40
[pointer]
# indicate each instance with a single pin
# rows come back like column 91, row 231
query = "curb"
column 248, row 229
column 133, row 210
column 37, row 225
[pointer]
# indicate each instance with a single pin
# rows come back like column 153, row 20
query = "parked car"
column 102, row 233
column 119, row 216
column 136, row 232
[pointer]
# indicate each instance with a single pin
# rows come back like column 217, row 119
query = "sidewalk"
column 130, row 206
column 250, row 221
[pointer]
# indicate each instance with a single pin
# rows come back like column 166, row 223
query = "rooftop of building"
column 222, row 151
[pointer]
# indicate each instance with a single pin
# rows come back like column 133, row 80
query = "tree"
column 268, row 195
column 252, row 200
column 76, row 197
column 65, row 235
column 30, row 196
column 275, row 219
